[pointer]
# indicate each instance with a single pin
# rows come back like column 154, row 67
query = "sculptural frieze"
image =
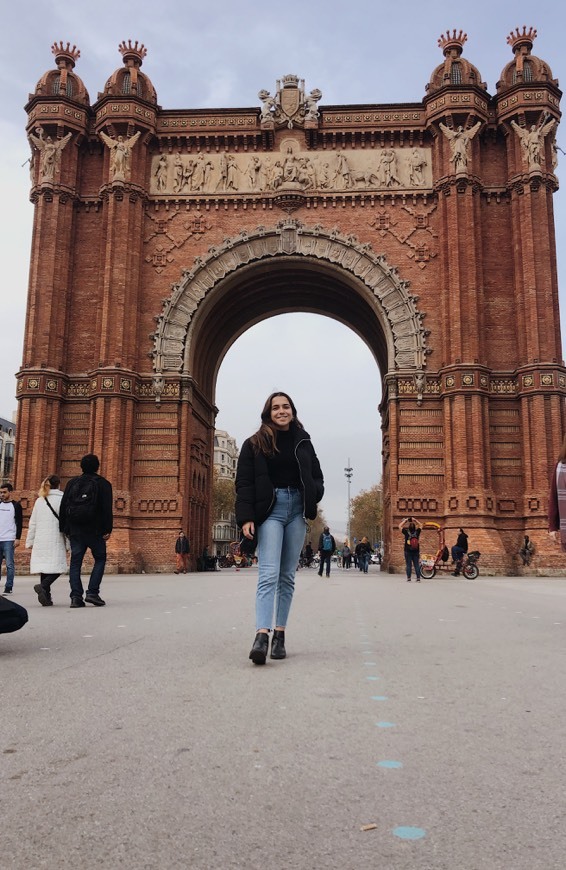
column 292, row 169
column 120, row 154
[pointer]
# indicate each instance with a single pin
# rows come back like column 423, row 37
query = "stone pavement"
column 139, row 735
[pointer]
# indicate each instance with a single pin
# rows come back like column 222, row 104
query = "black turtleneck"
column 283, row 466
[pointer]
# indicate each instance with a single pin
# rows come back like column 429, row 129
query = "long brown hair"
column 263, row 441
column 562, row 454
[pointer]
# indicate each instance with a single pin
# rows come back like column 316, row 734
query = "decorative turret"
column 128, row 81
column 62, row 81
column 456, row 71
column 525, row 68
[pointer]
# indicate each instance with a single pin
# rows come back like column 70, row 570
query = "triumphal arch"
column 161, row 235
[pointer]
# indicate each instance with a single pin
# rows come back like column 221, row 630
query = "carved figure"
column 120, row 153
column 268, row 105
column 532, row 141
column 277, row 175
column 201, row 173
column 311, row 105
column 255, row 174
column 387, row 168
column 161, row 173
column 188, row 175
column 290, row 167
column 50, row 153
column 232, row 173
column 416, row 164
column 324, row 176
column 343, row 171
column 459, row 141
column 223, row 166
column 178, row 170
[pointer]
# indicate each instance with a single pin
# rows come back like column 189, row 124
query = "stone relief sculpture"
column 459, row 140
column 120, row 153
column 532, row 141
column 290, row 105
column 293, row 169
column 161, row 173
column 50, row 153
column 416, row 164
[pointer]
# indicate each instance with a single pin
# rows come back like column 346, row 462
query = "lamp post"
column 348, row 472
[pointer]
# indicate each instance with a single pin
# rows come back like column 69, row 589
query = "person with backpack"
column 458, row 551
column 363, row 551
column 326, row 548
column 86, row 518
column 48, row 545
column 411, row 529
column 346, row 556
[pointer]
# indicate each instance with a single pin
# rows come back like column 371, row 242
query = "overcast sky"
column 219, row 54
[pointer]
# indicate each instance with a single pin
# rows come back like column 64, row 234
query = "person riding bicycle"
column 459, row 550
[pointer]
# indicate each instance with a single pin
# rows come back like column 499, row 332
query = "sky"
column 220, row 54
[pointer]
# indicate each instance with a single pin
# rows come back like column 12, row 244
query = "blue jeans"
column 280, row 540
column 364, row 562
column 7, row 552
column 412, row 557
column 79, row 545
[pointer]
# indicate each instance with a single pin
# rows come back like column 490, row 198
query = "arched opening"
column 335, row 383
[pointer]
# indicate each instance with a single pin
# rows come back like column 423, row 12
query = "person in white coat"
column 48, row 544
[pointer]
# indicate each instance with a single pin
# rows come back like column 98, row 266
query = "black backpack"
column 82, row 501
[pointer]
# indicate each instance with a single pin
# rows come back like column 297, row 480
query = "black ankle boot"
column 278, row 645
column 258, row 653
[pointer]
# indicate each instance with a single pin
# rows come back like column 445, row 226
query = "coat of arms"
column 290, row 105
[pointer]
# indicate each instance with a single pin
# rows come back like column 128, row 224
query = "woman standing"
column 278, row 486
column 557, row 499
column 411, row 529
column 364, row 553
column 48, row 552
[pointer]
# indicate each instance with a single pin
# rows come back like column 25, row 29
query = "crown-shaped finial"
column 65, row 54
column 135, row 52
column 455, row 40
column 519, row 40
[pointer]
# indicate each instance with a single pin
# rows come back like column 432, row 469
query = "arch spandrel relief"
column 396, row 306
column 291, row 168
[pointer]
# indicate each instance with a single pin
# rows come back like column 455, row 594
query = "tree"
column 366, row 514
column 223, row 497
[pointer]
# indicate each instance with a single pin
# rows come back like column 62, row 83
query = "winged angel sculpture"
column 120, row 152
column 50, row 151
column 459, row 142
column 532, row 141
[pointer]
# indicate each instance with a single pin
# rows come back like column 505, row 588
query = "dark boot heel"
column 258, row 653
column 278, row 645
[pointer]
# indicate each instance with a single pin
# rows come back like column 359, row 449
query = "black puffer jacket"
column 255, row 494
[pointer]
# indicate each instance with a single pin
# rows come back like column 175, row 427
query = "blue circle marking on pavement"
column 372, row 678
column 385, row 724
column 391, row 765
column 405, row 832
column 379, row 698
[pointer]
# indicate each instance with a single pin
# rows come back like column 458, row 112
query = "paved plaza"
column 412, row 726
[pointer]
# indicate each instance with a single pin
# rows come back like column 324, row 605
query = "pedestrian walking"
column 182, row 550
column 557, row 499
column 86, row 518
column 279, row 484
column 364, row 552
column 411, row 529
column 11, row 522
column 346, row 556
column 326, row 548
column 47, row 543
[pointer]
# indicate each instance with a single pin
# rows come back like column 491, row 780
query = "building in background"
column 224, row 528
column 7, row 442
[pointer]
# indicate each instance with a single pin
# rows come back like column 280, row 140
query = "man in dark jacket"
column 86, row 518
column 458, row 550
column 182, row 550
column 326, row 548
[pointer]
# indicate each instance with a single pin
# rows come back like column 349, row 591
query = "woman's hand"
column 248, row 530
